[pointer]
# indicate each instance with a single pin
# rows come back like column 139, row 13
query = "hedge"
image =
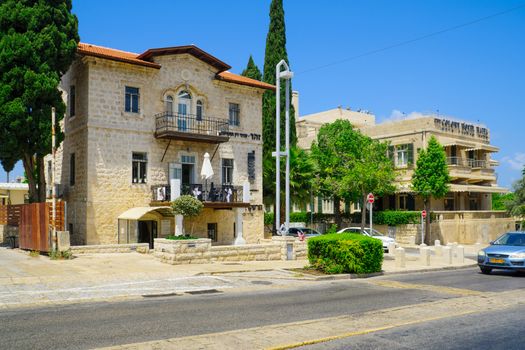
column 387, row 217
column 345, row 253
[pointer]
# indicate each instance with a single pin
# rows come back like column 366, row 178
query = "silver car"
column 374, row 234
column 507, row 252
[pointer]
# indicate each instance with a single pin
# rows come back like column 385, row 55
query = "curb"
column 386, row 273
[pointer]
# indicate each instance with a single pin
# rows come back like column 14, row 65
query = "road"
column 81, row 326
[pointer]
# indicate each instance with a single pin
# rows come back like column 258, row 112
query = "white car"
column 375, row 234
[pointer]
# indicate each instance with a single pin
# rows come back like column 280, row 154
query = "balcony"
column 222, row 197
column 467, row 162
column 189, row 127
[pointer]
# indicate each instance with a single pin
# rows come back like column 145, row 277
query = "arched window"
column 184, row 103
column 200, row 110
column 169, row 104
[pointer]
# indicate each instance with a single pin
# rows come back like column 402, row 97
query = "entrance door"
column 147, row 232
column 183, row 109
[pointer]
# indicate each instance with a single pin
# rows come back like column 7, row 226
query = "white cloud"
column 398, row 115
column 516, row 162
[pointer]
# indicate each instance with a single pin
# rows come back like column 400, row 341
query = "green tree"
column 252, row 71
column 335, row 149
column 38, row 41
column 499, row 201
column 275, row 52
column 187, row 206
column 431, row 178
column 516, row 205
column 371, row 171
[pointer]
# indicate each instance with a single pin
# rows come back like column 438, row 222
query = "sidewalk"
column 30, row 281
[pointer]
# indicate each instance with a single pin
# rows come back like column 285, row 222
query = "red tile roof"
column 112, row 54
column 242, row 80
column 142, row 60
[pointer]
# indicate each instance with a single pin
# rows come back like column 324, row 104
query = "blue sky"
column 474, row 73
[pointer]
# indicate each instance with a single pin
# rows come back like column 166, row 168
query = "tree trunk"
column 41, row 178
column 426, row 237
column 363, row 212
column 29, row 168
column 337, row 211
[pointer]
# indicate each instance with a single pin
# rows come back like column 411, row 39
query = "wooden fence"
column 34, row 222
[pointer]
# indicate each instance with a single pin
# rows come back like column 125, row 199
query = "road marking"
column 427, row 287
column 295, row 334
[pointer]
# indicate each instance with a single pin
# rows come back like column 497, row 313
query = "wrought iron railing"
column 221, row 194
column 190, row 123
column 468, row 162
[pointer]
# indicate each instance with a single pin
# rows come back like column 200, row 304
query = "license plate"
column 497, row 261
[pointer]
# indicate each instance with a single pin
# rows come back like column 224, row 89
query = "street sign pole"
column 370, row 199
column 371, row 206
column 423, row 216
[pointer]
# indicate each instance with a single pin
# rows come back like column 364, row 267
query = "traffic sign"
column 424, row 214
column 370, row 198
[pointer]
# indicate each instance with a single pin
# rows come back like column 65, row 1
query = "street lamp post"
column 287, row 75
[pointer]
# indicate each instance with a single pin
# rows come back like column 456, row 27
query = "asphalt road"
column 103, row 324
column 485, row 331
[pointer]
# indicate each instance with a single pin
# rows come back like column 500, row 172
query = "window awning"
column 138, row 212
column 451, row 142
column 488, row 148
column 477, row 188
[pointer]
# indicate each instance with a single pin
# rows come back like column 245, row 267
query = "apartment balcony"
column 468, row 163
column 221, row 197
column 189, row 127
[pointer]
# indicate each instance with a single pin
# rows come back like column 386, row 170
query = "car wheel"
column 485, row 270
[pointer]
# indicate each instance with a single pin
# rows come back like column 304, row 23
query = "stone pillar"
column 437, row 242
column 438, row 250
column 175, row 193
column 424, row 256
column 447, row 255
column 285, row 242
column 400, row 257
column 239, row 240
column 63, row 241
column 460, row 254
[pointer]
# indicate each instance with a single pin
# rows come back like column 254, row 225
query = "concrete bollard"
column 438, row 250
column 447, row 255
column 391, row 248
column 437, row 242
column 400, row 257
column 422, row 245
column 424, row 256
column 460, row 254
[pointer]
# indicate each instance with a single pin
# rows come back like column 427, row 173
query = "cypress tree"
column 275, row 52
column 252, row 71
column 38, row 42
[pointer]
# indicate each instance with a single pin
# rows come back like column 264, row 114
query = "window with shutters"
column 227, row 171
column 251, row 166
column 234, row 114
column 131, row 101
column 403, row 155
column 139, row 168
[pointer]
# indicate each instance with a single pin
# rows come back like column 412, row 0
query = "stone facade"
column 200, row 251
column 102, row 136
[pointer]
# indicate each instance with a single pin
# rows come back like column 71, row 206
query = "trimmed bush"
column 345, row 253
column 180, row 238
column 395, row 218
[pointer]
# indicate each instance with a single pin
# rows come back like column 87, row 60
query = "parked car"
column 374, row 234
column 308, row 232
column 506, row 252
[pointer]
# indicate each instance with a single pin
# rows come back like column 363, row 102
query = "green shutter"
column 320, row 204
column 410, row 153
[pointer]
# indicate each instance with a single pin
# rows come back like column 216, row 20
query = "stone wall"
column 470, row 230
column 110, row 248
column 201, row 251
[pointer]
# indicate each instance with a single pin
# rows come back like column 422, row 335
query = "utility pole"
column 287, row 75
column 53, row 187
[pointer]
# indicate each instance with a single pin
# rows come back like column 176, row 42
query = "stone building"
column 13, row 193
column 467, row 147
column 135, row 122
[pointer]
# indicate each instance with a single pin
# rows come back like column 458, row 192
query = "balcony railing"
column 221, row 194
column 191, row 127
column 468, row 162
